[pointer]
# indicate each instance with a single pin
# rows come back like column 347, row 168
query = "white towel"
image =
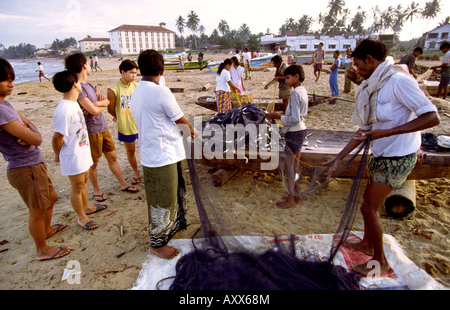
column 366, row 95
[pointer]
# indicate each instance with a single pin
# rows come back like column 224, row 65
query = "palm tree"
column 180, row 24
column 223, row 27
column 304, row 24
column 445, row 21
column 192, row 23
column 431, row 9
column 356, row 25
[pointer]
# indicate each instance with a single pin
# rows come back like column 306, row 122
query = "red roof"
column 141, row 28
column 95, row 39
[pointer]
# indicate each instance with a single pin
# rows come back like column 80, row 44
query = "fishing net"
column 220, row 261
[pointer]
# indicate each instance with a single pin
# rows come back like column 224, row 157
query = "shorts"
column 33, row 185
column 392, row 171
column 294, row 142
column 445, row 80
column 101, row 142
column 127, row 138
column 317, row 67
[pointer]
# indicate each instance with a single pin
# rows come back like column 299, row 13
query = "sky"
column 40, row 22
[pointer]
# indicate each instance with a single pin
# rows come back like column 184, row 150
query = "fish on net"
column 219, row 261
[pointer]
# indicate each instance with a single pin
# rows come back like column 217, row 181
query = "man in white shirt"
column 158, row 117
column 393, row 119
column 247, row 59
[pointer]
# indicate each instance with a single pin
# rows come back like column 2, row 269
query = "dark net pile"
column 220, row 262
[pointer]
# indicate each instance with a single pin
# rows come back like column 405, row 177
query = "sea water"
column 25, row 69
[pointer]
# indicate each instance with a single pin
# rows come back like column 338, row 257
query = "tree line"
column 24, row 50
column 336, row 20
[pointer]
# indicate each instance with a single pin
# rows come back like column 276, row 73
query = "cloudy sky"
column 40, row 22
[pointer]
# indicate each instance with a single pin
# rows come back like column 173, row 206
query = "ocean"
column 25, row 69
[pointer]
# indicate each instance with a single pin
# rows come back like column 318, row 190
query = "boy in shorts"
column 100, row 140
column 119, row 96
column 294, row 129
column 71, row 146
column 26, row 171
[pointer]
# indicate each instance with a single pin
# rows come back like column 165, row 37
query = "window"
column 345, row 46
column 433, row 35
column 331, row 45
column 303, row 46
column 444, row 35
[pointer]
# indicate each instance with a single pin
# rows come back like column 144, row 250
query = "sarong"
column 165, row 189
column 392, row 171
column 223, row 99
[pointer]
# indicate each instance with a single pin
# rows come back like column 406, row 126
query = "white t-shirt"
column 222, row 81
column 399, row 101
column 294, row 118
column 247, row 57
column 75, row 155
column 236, row 76
column 155, row 110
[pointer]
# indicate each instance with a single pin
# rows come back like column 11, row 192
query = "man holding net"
column 390, row 110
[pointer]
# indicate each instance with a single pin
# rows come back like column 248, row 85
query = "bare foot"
column 290, row 202
column 376, row 269
column 359, row 246
column 52, row 253
column 166, row 252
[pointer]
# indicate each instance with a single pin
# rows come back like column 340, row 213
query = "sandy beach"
column 111, row 256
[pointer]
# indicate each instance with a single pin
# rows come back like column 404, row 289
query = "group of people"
column 390, row 110
column 81, row 136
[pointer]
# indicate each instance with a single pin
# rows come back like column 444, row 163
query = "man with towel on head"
column 390, row 110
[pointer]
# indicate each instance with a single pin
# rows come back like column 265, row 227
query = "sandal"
column 102, row 197
column 98, row 208
column 130, row 189
column 136, row 180
column 57, row 255
column 90, row 226
column 59, row 227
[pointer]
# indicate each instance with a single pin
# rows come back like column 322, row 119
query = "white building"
column 436, row 37
column 131, row 39
column 88, row 45
column 309, row 43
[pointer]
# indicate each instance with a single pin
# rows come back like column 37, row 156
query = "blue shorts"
column 294, row 142
column 445, row 80
column 125, row 138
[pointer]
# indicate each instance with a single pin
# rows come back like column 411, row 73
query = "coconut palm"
column 180, row 24
column 192, row 23
column 223, row 27
column 432, row 8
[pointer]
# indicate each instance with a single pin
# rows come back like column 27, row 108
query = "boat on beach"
column 188, row 65
column 255, row 62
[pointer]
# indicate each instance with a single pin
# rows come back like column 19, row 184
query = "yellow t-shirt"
column 126, row 124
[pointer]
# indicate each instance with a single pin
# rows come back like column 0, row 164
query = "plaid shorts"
column 392, row 171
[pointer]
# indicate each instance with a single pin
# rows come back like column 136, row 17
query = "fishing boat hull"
column 255, row 62
column 189, row 65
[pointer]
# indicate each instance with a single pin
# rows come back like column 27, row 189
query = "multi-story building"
column 89, row 45
column 435, row 37
column 131, row 39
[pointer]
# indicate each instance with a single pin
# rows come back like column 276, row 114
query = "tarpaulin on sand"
column 157, row 273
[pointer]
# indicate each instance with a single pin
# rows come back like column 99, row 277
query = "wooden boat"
column 255, row 62
column 209, row 102
column 324, row 145
column 174, row 57
column 188, row 65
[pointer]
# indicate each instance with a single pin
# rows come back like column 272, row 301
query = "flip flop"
column 90, row 226
column 98, row 208
column 136, row 180
column 129, row 189
column 102, row 197
column 56, row 254
column 58, row 229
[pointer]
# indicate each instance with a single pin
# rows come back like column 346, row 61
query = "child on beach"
column 294, row 128
column 224, row 87
column 119, row 96
column 334, row 76
column 71, row 146
column 237, row 74
column 284, row 91
column 41, row 72
column 100, row 139
column 26, row 170
column 318, row 58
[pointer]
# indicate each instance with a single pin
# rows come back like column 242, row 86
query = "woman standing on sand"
column 224, row 87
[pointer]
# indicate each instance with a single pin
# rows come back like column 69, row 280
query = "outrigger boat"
column 255, row 62
column 188, row 65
